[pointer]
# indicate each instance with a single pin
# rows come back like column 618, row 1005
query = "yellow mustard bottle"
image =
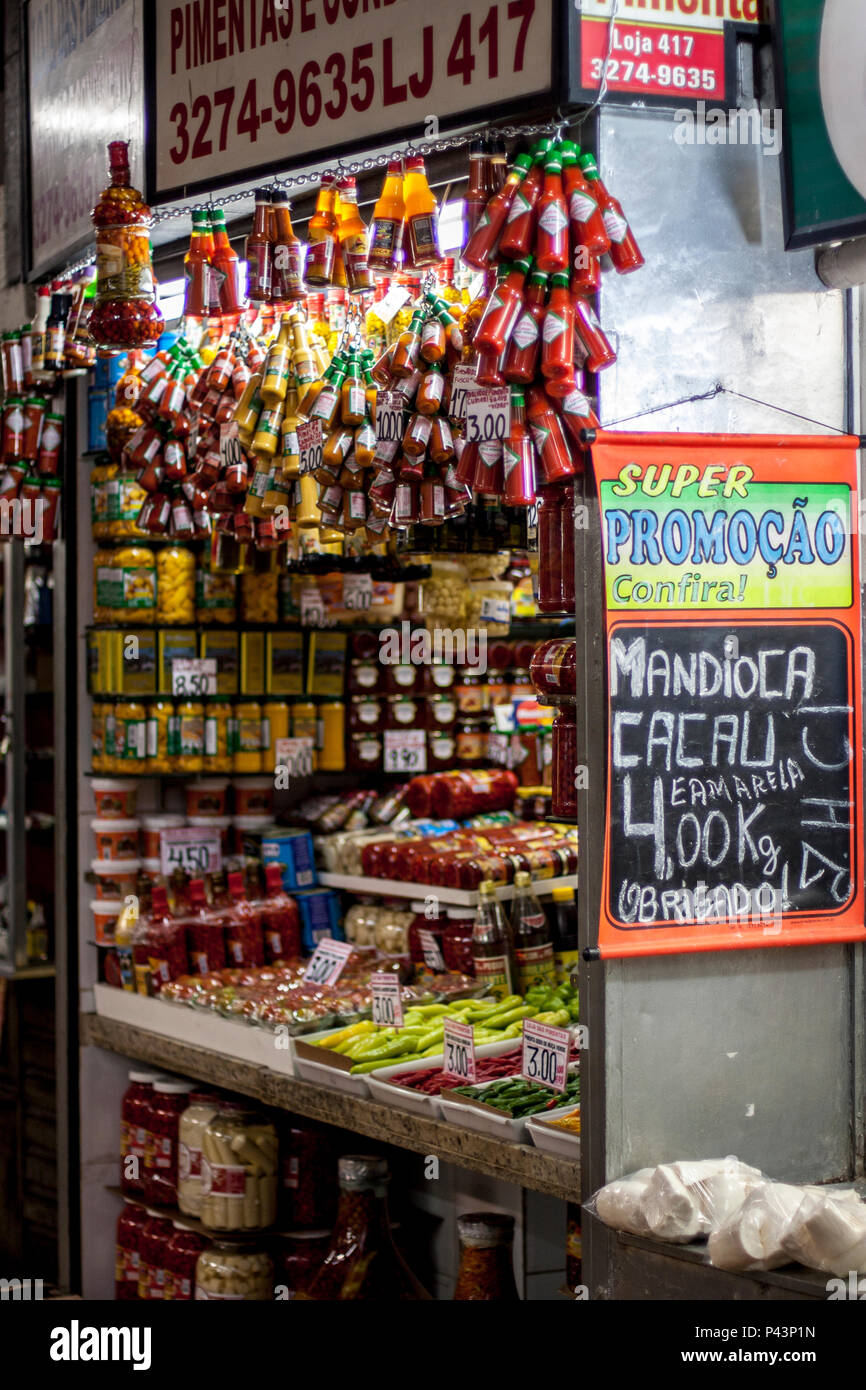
column 275, row 375
column 331, row 740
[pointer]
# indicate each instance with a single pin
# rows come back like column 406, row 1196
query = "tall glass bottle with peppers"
column 125, row 314
column 486, row 1272
column 362, row 1262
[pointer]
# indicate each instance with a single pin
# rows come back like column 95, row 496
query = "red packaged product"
column 457, row 940
column 159, row 947
column 280, row 919
column 170, row 1099
column 554, row 670
column 204, row 930
column 308, row 1187
column 425, row 940
column 134, row 1113
column 154, row 1237
column 465, row 794
column 244, row 944
column 179, row 1261
column 130, row 1225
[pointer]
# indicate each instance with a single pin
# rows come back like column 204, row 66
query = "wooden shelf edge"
column 521, row 1164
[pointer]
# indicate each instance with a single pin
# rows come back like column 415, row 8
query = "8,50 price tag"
column 459, row 1049
column 387, row 1000
column 545, row 1054
column 326, row 963
column 488, row 414
column 194, row 676
column 309, row 446
column 194, row 851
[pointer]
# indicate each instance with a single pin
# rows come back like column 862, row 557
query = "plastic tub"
column 105, row 914
column 115, row 878
column 207, row 798
column 152, row 827
column 254, row 796
column 220, row 823
column 116, row 839
column 115, row 798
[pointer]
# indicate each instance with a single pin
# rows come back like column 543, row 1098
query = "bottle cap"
column 563, row 895
column 263, row 195
column 522, row 878
column 589, row 166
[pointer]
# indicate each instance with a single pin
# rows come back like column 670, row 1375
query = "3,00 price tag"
column 405, row 750
column 545, row 1054
column 193, row 851
column 194, row 676
column 459, row 1049
column 296, row 755
column 326, row 963
column 488, row 414
column 387, row 1000
column 310, row 446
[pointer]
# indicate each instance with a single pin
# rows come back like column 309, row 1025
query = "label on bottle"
column 520, row 204
column 423, row 238
column 498, row 610
column 433, row 386
column 223, row 1179
column 525, row 330
column 576, row 403
column 138, row 588
column 191, row 735
column 581, row 206
column 287, row 273
column 535, row 964
column 554, row 327
column 383, row 236
column 615, row 225
column 134, row 739
column 357, row 400
column 566, row 961
column 249, row 736
column 432, row 953
column 494, row 973
column 541, row 434
column 553, row 219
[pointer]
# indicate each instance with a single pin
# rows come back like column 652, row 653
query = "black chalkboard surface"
column 732, row 775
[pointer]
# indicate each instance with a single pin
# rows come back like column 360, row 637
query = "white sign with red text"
column 243, row 85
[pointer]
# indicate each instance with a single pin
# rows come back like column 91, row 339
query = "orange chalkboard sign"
column 734, row 779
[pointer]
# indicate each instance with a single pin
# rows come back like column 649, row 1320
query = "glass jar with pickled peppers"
column 154, row 1237
column 175, row 576
column 486, row 1272
column 125, row 314
column 170, row 1099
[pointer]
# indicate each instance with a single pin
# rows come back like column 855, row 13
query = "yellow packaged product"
column 133, row 663
column 223, row 647
column 190, row 715
column 100, row 758
column 331, row 737
column 252, row 663
column 134, row 589
column 162, row 736
column 126, row 497
column 177, row 644
column 176, row 585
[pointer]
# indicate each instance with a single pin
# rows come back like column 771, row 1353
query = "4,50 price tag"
column 387, row 1000
column 459, row 1049
column 545, row 1054
column 194, row 676
column 488, row 414
column 309, row 446
column 326, row 963
column 194, row 851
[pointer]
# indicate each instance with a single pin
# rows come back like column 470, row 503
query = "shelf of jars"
column 455, row 897
column 505, row 1159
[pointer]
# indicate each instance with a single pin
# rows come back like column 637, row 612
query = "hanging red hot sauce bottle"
column 554, row 456
column 196, row 268
column 557, row 334
column 475, row 199
column 551, row 229
column 518, row 457
column 521, row 359
column 584, row 214
column 503, row 309
column 487, row 370
column 599, row 351
column 322, row 235
column 482, row 243
column 577, row 414
column 226, row 268
column 585, row 280
column 517, row 237
column 624, row 250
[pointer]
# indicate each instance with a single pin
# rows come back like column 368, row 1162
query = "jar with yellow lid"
column 175, row 585
column 134, row 585
column 163, row 743
column 130, row 736
column 218, row 721
column 247, row 748
column 190, row 715
column 331, row 739
column 260, row 600
column 103, row 585
column 100, row 476
column 214, row 596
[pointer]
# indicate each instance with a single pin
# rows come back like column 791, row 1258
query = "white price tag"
column 433, row 958
column 357, row 592
column 389, row 416
column 387, row 1000
column 313, row 610
column 309, row 446
column 194, row 676
column 545, row 1054
column 327, row 961
column 392, row 303
column 499, row 748
column 296, row 755
column 193, row 851
column 488, row 414
column 405, row 750
column 496, row 610
column 459, row 1050
column 462, row 381
column 231, row 452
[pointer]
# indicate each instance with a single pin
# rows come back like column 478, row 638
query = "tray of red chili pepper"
column 417, row 1086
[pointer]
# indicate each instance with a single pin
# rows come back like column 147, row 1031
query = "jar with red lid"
column 425, row 940
column 130, row 1225
column 364, row 676
column 155, row 1235
column 366, row 714
column 308, row 1175
column 457, row 940
column 134, row 1115
column 441, row 711
column 365, row 752
column 299, row 1258
column 470, row 737
column 170, row 1099
column 404, row 712
column 180, row 1259
column 403, row 678
column 440, row 676
column 469, row 691
column 554, row 670
column 564, row 790
column 441, row 749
